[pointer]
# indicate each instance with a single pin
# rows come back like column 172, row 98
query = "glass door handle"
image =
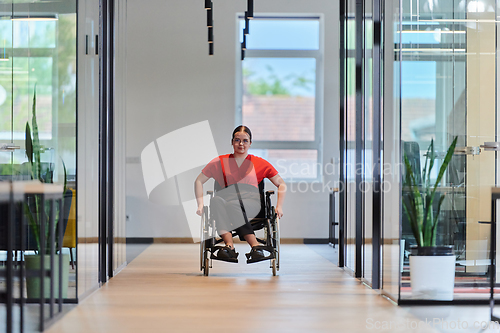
column 467, row 150
column 8, row 147
column 491, row 146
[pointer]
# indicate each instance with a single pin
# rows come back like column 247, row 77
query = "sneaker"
column 227, row 252
column 256, row 253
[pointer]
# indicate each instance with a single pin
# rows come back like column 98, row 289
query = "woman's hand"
column 199, row 211
column 279, row 212
column 198, row 191
column 280, row 184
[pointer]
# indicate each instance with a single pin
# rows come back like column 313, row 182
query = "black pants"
column 227, row 212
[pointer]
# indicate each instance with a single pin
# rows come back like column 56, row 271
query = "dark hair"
column 242, row 128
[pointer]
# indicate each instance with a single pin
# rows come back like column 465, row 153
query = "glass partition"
column 367, row 156
column 448, row 82
column 390, row 154
column 439, row 83
column 38, row 112
column 350, row 156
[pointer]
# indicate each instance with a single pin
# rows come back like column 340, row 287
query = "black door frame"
column 106, row 134
column 359, row 143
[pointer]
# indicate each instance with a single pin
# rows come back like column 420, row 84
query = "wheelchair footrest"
column 214, row 257
column 233, row 260
column 269, row 249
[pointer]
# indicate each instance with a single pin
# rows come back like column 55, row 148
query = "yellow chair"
column 69, row 239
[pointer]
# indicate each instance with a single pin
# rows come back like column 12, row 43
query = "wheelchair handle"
column 269, row 192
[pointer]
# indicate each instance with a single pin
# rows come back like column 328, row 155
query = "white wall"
column 172, row 83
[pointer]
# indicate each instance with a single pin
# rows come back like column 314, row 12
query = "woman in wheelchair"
column 238, row 201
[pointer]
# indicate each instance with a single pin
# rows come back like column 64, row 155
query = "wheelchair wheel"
column 203, row 239
column 276, row 236
column 206, row 267
column 274, row 266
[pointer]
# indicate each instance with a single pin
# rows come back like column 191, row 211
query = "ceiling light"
column 246, row 30
column 210, row 19
column 250, row 9
column 210, row 34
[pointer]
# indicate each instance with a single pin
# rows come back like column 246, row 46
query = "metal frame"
column 377, row 149
column 495, row 195
column 111, row 135
column 106, row 145
column 359, row 121
column 342, row 132
column 359, row 144
column 331, row 227
column 15, row 197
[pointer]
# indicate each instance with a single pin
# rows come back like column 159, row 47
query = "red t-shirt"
column 252, row 171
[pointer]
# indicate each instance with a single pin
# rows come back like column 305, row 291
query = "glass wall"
column 88, row 148
column 359, row 146
column 38, row 117
column 38, row 110
column 119, row 102
column 391, row 192
column 350, row 156
column 438, row 83
column 447, row 91
column 101, row 108
column 367, row 156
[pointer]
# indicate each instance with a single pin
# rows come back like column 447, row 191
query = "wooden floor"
column 162, row 290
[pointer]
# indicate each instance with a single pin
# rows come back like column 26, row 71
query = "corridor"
column 162, row 290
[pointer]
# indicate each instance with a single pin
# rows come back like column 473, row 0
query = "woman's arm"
column 198, row 191
column 280, row 184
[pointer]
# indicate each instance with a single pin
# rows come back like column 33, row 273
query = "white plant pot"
column 432, row 277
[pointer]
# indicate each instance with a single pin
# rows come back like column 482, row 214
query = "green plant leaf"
column 35, row 228
column 434, row 228
column 419, row 205
column 412, row 218
column 29, row 143
column 426, row 165
column 428, row 220
column 65, row 177
column 432, row 157
column 415, row 213
column 447, row 159
column 36, row 141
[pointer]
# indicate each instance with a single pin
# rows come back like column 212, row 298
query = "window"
column 280, row 93
column 39, row 53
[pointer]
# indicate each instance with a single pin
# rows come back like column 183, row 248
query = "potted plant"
column 33, row 210
column 432, row 267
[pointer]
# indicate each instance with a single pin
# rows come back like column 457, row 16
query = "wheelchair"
column 266, row 219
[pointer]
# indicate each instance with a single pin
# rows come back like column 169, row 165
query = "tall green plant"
column 35, row 210
column 419, row 201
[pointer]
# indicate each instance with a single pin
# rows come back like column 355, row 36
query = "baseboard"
column 140, row 240
column 173, row 240
column 316, row 241
column 159, row 240
column 188, row 240
column 88, row 240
